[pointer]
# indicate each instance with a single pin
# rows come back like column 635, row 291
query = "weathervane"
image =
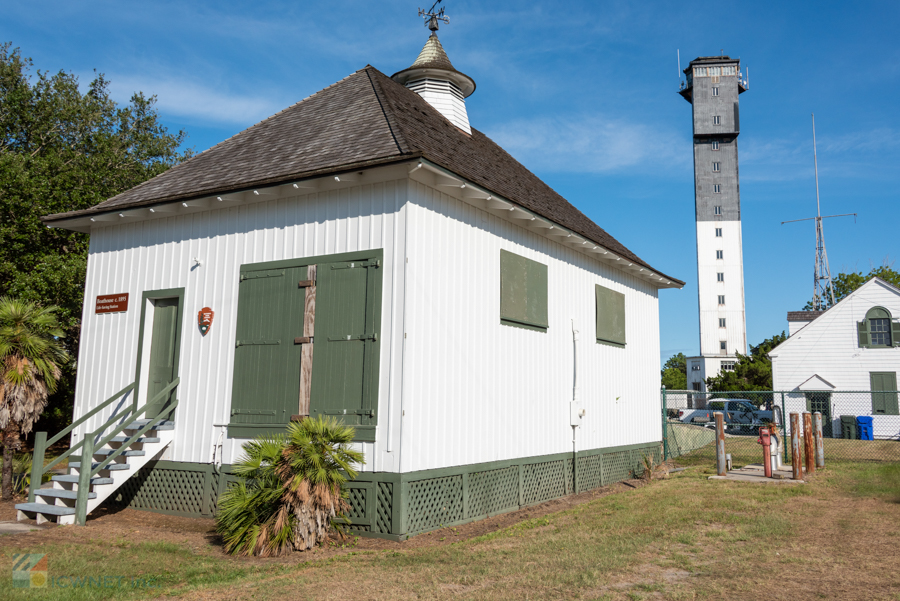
column 434, row 17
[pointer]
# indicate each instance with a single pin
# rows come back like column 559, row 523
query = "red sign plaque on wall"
column 204, row 319
column 112, row 303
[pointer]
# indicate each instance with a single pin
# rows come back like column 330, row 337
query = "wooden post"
column 309, row 331
column 820, row 442
column 37, row 464
column 84, row 479
column 809, row 446
column 721, row 468
column 796, row 457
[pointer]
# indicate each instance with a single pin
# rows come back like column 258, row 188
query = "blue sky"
column 584, row 94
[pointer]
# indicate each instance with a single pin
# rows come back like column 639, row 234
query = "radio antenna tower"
column 823, row 291
column 432, row 17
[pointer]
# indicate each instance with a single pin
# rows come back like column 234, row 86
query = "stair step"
column 106, row 452
column 45, row 509
column 140, row 423
column 140, row 440
column 61, row 494
column 111, row 466
column 74, row 479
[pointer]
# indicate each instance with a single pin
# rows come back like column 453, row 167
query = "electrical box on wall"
column 576, row 412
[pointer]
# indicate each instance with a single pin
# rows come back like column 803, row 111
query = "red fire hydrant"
column 766, row 443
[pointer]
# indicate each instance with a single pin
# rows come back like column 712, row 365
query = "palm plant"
column 30, row 359
column 291, row 489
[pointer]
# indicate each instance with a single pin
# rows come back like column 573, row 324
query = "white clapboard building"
column 844, row 361
column 366, row 254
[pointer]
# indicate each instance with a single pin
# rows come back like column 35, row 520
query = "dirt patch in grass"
column 130, row 526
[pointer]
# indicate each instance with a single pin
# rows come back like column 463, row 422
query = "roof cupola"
column 433, row 77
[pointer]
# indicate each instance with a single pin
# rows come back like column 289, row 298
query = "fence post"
column 796, row 459
column 37, row 464
column 665, row 425
column 820, row 443
column 721, row 468
column 784, row 436
column 84, row 479
column 809, row 446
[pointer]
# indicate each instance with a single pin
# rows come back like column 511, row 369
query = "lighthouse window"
column 716, row 166
column 717, row 209
column 720, row 277
column 721, row 322
column 718, row 232
column 715, row 144
column 721, row 299
column 719, row 254
column 715, row 91
column 717, row 120
column 723, row 346
column 717, row 188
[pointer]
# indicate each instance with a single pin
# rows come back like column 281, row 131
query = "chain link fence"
column 856, row 426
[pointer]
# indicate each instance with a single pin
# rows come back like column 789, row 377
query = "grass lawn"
column 683, row 537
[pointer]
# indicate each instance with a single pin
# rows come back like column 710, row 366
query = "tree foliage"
column 61, row 150
column 845, row 283
column 751, row 372
column 290, row 489
column 31, row 356
column 674, row 372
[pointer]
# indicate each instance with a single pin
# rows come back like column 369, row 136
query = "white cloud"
column 592, row 144
column 196, row 101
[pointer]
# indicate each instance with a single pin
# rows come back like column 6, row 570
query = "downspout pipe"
column 574, row 400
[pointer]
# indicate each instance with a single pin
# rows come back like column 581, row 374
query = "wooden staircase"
column 121, row 451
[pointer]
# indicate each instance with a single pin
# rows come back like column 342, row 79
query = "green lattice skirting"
column 400, row 505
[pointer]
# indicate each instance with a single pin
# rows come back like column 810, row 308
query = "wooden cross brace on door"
column 306, row 353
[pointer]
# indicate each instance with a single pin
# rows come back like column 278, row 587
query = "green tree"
column 751, row 372
column 291, row 489
column 31, row 356
column 845, row 283
column 674, row 372
column 63, row 150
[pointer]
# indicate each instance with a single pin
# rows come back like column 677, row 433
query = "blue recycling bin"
column 864, row 427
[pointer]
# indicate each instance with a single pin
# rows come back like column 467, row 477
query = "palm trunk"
column 7, row 466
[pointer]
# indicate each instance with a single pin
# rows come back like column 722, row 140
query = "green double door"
column 266, row 391
column 162, row 353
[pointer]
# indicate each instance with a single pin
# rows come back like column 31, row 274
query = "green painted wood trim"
column 524, row 326
column 247, row 431
column 84, row 482
column 377, row 253
column 179, row 322
column 37, row 463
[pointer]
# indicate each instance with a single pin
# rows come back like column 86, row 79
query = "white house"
column 366, row 253
column 841, row 361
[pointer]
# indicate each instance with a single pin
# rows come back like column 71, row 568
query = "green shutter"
column 895, row 333
column 884, row 403
column 863, row 332
column 266, row 382
column 610, row 311
column 346, row 345
column 523, row 291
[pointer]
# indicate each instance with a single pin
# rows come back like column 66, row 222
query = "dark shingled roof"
column 363, row 120
column 803, row 315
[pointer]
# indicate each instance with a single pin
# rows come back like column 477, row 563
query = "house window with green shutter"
column 610, row 308
column 884, row 393
column 523, row 292
column 878, row 330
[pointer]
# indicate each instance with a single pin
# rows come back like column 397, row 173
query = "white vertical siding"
column 476, row 390
column 159, row 254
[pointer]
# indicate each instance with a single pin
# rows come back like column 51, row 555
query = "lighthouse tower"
column 712, row 87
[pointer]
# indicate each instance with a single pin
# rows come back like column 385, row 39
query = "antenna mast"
column 823, row 291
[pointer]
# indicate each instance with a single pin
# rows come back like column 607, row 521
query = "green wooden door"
column 162, row 352
column 344, row 381
column 821, row 401
column 884, row 403
column 266, row 381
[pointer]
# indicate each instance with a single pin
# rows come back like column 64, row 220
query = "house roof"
column 365, row 119
column 803, row 315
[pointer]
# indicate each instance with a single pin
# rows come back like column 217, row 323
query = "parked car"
column 739, row 413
